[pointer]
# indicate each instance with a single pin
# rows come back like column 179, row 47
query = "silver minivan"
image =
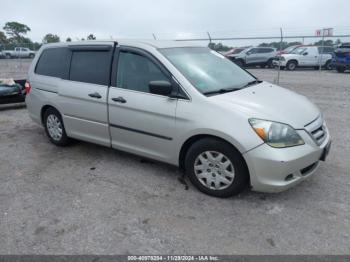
column 182, row 104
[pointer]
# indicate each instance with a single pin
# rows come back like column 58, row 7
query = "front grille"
column 317, row 130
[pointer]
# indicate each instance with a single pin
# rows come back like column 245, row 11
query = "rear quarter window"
column 54, row 62
column 90, row 67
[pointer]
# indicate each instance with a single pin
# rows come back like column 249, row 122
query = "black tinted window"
column 265, row 50
column 54, row 62
column 90, row 67
column 136, row 71
column 253, row 51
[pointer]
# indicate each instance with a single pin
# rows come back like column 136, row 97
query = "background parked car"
column 12, row 91
column 19, row 52
column 262, row 56
column 306, row 56
column 341, row 58
column 233, row 53
column 287, row 50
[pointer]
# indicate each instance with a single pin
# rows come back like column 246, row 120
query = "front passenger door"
column 140, row 122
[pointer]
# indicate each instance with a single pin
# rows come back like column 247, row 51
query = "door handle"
column 119, row 100
column 95, row 95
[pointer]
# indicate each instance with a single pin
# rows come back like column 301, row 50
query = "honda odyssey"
column 182, row 104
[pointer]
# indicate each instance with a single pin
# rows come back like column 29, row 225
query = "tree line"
column 278, row 45
column 15, row 34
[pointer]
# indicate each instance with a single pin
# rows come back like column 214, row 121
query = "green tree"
column 328, row 42
column 337, row 42
column 51, row 38
column 279, row 45
column 16, row 31
column 69, row 39
column 91, row 37
column 3, row 38
column 219, row 47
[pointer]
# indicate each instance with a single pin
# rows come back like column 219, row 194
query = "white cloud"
column 174, row 18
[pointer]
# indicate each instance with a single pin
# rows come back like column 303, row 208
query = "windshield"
column 237, row 50
column 289, row 49
column 299, row 50
column 207, row 70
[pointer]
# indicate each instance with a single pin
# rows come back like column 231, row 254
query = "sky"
column 174, row 19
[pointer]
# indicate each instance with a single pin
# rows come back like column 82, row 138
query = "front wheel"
column 291, row 65
column 54, row 127
column 216, row 168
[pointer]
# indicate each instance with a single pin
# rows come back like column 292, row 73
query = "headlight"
column 282, row 58
column 276, row 134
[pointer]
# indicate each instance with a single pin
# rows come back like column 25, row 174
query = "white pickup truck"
column 18, row 52
column 306, row 56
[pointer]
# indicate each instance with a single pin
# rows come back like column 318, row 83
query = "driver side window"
column 135, row 71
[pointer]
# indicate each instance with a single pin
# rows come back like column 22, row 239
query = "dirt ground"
column 88, row 199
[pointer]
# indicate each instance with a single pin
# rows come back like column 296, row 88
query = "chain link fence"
column 15, row 59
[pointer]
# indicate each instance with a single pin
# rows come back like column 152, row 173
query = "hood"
column 289, row 55
column 270, row 102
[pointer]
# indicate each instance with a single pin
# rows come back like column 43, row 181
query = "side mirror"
column 306, row 53
column 248, row 53
column 160, row 87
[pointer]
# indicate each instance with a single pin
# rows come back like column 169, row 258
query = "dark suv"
column 262, row 56
column 341, row 58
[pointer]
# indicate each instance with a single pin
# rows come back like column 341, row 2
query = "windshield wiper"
column 221, row 91
column 251, row 83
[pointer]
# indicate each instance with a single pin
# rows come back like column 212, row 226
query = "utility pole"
column 209, row 37
column 321, row 55
column 279, row 58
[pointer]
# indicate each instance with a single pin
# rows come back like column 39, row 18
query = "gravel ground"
column 94, row 200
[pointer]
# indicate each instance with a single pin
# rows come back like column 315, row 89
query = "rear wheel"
column 8, row 56
column 216, row 168
column 54, row 127
column 31, row 56
column 291, row 65
column 328, row 65
column 340, row 69
column 270, row 63
column 239, row 62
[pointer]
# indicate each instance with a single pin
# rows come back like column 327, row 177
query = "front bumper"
column 276, row 62
column 277, row 169
column 341, row 64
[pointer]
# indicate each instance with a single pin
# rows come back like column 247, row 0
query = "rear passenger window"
column 136, row 71
column 265, row 50
column 54, row 62
column 90, row 67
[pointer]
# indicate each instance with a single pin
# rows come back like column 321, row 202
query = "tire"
column 231, row 163
column 328, row 65
column 340, row 69
column 54, row 127
column 239, row 62
column 270, row 63
column 31, row 56
column 7, row 56
column 291, row 65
